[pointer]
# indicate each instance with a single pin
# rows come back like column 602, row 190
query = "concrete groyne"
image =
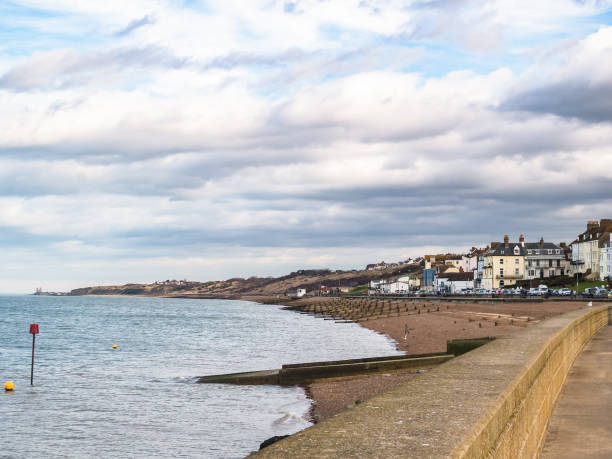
column 495, row 401
column 304, row 373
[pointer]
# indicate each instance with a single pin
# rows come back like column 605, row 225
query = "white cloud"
column 255, row 137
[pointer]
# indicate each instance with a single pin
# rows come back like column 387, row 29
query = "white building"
column 454, row 282
column 586, row 249
column 605, row 260
column 300, row 292
column 395, row 288
column 469, row 263
column 413, row 281
column 544, row 259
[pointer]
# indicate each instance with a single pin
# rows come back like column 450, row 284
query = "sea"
column 142, row 399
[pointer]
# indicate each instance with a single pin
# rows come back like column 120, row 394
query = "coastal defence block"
column 494, row 401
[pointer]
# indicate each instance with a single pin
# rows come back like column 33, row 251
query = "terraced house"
column 544, row 259
column 586, row 249
column 503, row 264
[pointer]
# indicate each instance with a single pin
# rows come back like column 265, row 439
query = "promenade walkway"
column 581, row 425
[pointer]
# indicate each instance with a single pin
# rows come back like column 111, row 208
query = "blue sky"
column 157, row 139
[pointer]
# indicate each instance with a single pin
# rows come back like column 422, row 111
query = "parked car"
column 601, row 293
column 564, row 292
column 589, row 292
column 534, row 291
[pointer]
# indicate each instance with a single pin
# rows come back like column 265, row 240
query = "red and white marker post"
column 33, row 332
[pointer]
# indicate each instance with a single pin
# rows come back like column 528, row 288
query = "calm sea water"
column 142, row 400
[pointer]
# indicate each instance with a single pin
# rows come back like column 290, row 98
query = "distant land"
column 310, row 279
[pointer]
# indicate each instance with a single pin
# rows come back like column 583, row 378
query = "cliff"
column 308, row 279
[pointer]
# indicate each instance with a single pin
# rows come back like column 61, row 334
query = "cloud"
column 256, row 140
column 135, row 24
column 64, row 69
column 574, row 82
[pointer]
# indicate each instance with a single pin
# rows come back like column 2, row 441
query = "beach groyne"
column 495, row 401
column 365, row 309
column 304, row 373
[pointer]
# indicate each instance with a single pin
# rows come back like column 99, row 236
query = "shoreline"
column 427, row 332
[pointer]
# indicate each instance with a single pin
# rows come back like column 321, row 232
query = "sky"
column 145, row 140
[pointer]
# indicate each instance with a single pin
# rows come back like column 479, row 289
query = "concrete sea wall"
column 495, row 401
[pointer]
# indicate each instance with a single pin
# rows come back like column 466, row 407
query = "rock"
column 271, row 440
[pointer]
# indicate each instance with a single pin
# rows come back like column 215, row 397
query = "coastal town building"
column 605, row 261
column 544, row 259
column 435, row 261
column 429, row 276
column 453, row 283
column 479, row 271
column 587, row 247
column 464, row 263
column 394, row 288
column 412, row 280
column 503, row 264
column 469, row 263
column 377, row 266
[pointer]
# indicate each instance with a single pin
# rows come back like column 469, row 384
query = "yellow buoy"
column 9, row 386
column 114, row 346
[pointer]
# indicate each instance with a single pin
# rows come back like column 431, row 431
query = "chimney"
column 541, row 241
column 506, row 241
column 592, row 225
column 522, row 240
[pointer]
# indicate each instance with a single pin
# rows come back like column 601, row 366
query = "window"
column 549, row 251
column 532, row 272
column 550, row 263
column 516, row 271
column 529, row 263
column 501, row 261
column 551, row 273
column 501, row 272
column 529, row 252
column 558, row 263
column 558, row 251
column 516, row 261
column 501, row 283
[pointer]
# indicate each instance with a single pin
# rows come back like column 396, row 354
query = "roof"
column 449, row 268
column 454, row 277
column 596, row 231
column 500, row 250
column 545, row 245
